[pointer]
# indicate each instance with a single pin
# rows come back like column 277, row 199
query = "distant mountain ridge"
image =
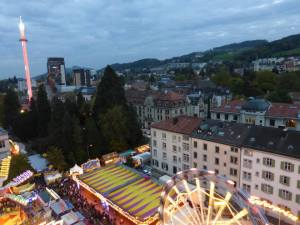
column 244, row 52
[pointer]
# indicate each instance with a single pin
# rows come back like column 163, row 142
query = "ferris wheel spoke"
column 176, row 206
column 221, row 209
column 211, row 202
column 199, row 193
column 197, row 218
column 237, row 217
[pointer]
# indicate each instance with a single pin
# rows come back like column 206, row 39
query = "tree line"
column 274, row 87
column 71, row 131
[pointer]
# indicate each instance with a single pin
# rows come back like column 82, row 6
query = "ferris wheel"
column 196, row 197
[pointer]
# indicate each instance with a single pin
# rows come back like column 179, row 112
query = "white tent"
column 163, row 179
column 49, row 178
column 143, row 157
column 37, row 162
column 76, row 170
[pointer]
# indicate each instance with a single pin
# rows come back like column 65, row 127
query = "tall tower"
column 23, row 41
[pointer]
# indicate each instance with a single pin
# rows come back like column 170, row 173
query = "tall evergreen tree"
column 11, row 108
column 77, row 145
column 110, row 92
column 44, row 111
column 93, row 139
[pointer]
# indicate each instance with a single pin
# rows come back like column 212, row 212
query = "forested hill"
column 243, row 52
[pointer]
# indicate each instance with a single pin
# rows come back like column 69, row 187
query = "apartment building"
column 171, row 144
column 153, row 106
column 264, row 161
column 259, row 112
column 271, row 166
column 216, row 146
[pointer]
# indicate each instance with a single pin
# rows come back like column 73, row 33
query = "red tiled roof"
column 170, row 96
column 283, row 110
column 231, row 107
column 183, row 125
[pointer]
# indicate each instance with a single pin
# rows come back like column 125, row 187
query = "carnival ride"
column 195, row 197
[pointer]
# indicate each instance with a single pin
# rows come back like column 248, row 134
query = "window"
column 204, row 146
column 272, row 122
column 257, row 160
column 216, row 171
column 217, row 161
column 186, row 158
column 186, row 167
column 185, row 147
column 164, row 146
column 257, row 173
column 164, row 166
column 298, row 199
column 298, row 184
column 233, row 160
column 174, row 159
column 226, row 116
column 195, row 165
column 205, row 167
column 217, row 149
column 2, row 144
column 233, row 149
column 247, row 176
column 286, row 166
column 195, row 155
column 155, row 162
column 225, row 152
column 204, row 158
column 285, row 180
column 174, row 169
column 218, row 115
column 247, row 188
column 164, row 155
column 224, row 164
column 163, row 135
column 154, row 133
column 154, row 152
column 154, row 143
column 174, row 138
column 185, row 137
column 233, row 172
column 235, row 117
column 195, row 144
column 269, row 162
column 267, row 175
column 284, row 194
column 247, row 163
column 174, row 148
column 267, row 188
column 179, row 139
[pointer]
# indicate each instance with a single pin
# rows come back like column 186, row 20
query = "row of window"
column 2, row 144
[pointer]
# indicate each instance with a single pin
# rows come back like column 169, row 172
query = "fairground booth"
column 126, row 196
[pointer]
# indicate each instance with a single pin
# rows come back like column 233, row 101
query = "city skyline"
column 98, row 33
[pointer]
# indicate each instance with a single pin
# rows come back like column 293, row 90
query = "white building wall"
column 176, row 147
column 257, row 180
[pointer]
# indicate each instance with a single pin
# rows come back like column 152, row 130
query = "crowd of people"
column 68, row 189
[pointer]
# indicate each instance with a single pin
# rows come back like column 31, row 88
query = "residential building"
column 153, row 106
column 271, row 166
column 216, row 146
column 81, row 77
column 170, row 144
column 56, row 70
column 259, row 112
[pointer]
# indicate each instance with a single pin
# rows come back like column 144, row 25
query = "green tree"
column 279, row 96
column 93, row 139
column 56, row 158
column 265, row 82
column 110, row 92
column 44, row 111
column 80, row 101
column 11, row 108
column 114, row 129
column 19, row 164
column 237, row 85
column 77, row 142
column 222, row 78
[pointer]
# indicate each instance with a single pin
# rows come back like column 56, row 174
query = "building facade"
column 56, row 70
column 264, row 161
column 259, row 112
column 171, row 144
column 81, row 77
column 4, row 144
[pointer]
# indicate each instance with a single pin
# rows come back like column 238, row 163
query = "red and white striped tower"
column 23, row 41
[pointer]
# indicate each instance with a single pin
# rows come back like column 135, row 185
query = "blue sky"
column 98, row 32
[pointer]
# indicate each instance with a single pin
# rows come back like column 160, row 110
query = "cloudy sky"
column 99, row 32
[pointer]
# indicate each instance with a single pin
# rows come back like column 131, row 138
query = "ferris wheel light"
column 211, row 172
column 230, row 182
